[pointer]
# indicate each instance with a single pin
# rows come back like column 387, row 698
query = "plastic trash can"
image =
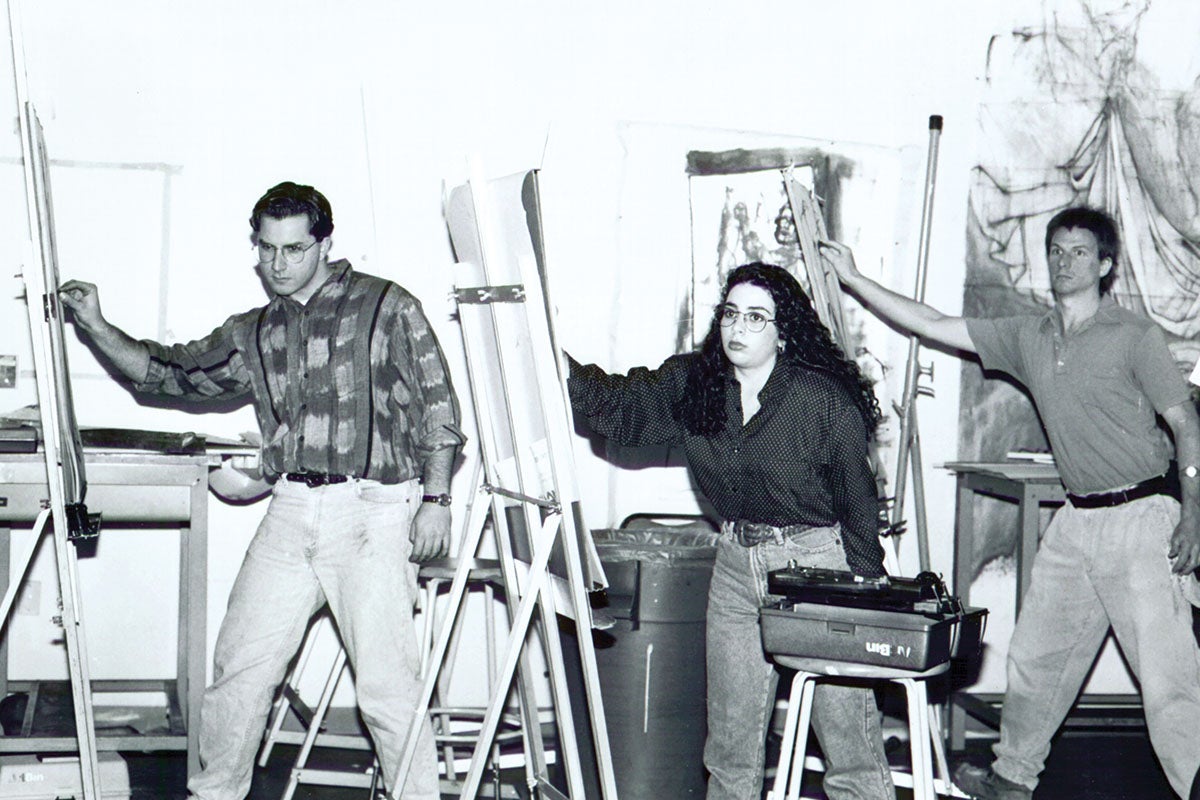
column 651, row 661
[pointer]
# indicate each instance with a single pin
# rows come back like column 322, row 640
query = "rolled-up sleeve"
column 434, row 417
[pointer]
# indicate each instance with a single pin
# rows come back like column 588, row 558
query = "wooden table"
column 126, row 488
column 1031, row 485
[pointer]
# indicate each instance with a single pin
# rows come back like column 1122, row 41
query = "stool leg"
column 293, row 784
column 442, row 692
column 939, row 745
column 314, row 727
column 914, row 738
column 282, row 703
column 789, row 738
column 427, row 621
column 800, row 750
column 919, row 734
column 489, row 596
column 441, row 687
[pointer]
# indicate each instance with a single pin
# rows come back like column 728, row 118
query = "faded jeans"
column 1096, row 568
column 742, row 681
column 346, row 544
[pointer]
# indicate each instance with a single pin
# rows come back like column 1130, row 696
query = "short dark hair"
column 1102, row 226
column 292, row 199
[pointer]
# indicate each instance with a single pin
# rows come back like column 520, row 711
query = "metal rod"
column 918, row 485
column 911, row 371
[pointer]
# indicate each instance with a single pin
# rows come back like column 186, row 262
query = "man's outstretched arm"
column 919, row 318
column 128, row 355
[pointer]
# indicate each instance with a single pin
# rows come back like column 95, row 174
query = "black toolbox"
column 904, row 623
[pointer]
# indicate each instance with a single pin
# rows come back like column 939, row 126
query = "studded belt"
column 749, row 534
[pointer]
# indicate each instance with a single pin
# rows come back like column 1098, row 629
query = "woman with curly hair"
column 775, row 423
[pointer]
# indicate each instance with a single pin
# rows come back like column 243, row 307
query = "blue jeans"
column 346, row 544
column 741, row 681
column 1096, row 568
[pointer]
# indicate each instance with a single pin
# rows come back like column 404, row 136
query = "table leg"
column 964, row 556
column 1027, row 544
column 5, row 561
column 193, row 640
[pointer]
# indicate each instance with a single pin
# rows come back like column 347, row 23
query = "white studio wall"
column 379, row 104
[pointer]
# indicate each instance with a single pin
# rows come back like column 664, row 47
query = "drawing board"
column 42, row 280
column 518, row 388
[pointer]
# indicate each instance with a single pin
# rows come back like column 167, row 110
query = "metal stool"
column 486, row 574
column 483, row 573
column 925, row 736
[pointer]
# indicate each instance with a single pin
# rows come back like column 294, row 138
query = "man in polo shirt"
column 360, row 429
column 1121, row 552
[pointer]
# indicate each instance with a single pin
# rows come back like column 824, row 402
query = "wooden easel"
column 67, row 515
column 823, row 285
column 519, row 393
column 827, row 299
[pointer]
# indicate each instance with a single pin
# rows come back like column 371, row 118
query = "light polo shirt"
column 1097, row 390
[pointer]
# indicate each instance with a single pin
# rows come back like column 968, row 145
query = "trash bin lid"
column 682, row 544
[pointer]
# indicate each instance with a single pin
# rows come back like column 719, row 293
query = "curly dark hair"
column 807, row 343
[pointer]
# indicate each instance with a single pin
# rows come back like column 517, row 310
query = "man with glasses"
column 360, row 431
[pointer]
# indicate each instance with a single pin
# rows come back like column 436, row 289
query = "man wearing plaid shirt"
column 360, row 430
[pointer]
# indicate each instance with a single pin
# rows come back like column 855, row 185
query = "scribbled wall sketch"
column 1078, row 110
column 747, row 214
column 740, row 213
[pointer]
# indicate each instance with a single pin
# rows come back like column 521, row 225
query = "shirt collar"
column 334, row 286
column 1109, row 313
column 776, row 379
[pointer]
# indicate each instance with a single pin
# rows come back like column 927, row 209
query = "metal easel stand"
column 518, row 389
column 69, row 524
column 909, row 450
column 64, row 457
column 534, row 594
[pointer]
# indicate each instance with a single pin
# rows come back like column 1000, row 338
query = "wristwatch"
column 440, row 499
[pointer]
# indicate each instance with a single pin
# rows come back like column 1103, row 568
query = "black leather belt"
column 1158, row 485
column 749, row 534
column 314, row 479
